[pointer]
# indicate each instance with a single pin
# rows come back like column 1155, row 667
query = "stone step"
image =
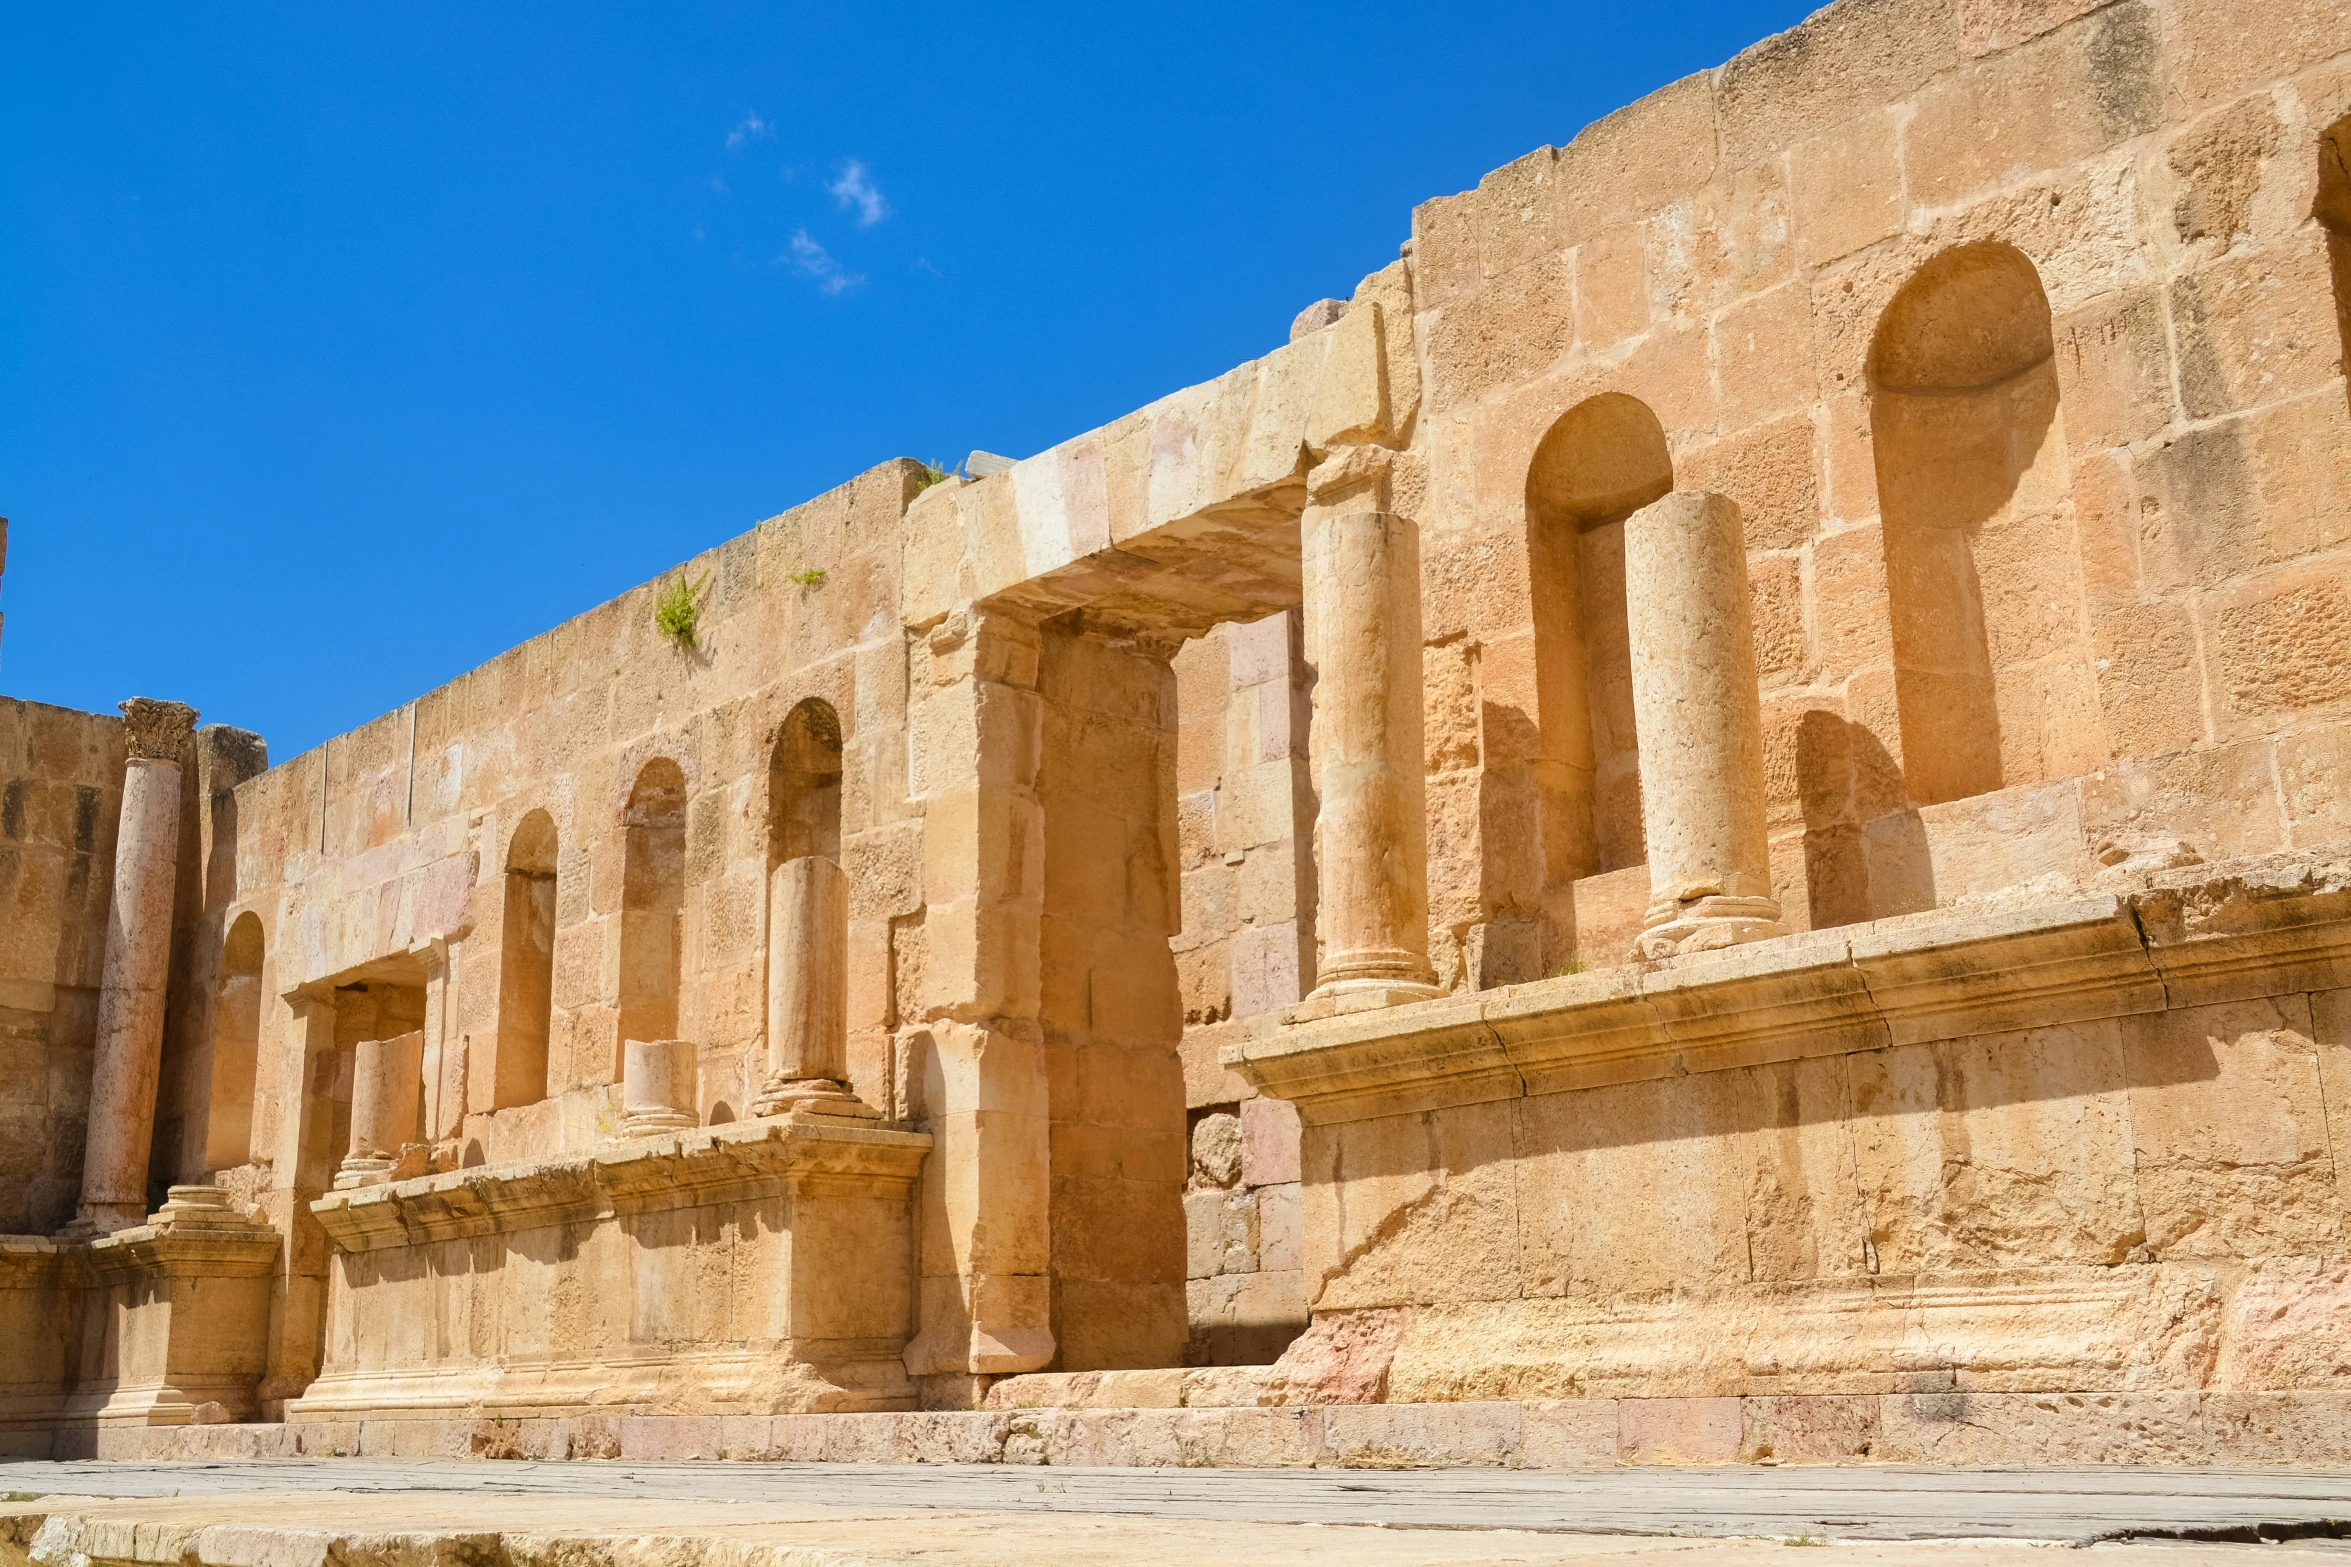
column 2309, row 1430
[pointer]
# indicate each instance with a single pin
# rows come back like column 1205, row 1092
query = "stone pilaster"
column 303, row 1169
column 1700, row 727
column 137, row 968
column 976, row 733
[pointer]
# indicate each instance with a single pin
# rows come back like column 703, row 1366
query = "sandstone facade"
column 1715, row 807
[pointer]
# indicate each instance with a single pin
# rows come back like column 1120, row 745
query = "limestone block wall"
column 605, row 791
column 2087, row 1144
column 650, row 762
column 745, row 1269
column 1246, row 817
column 60, row 798
column 2017, row 338
column 1107, row 1002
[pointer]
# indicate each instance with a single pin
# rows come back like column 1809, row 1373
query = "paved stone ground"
column 1885, row 1503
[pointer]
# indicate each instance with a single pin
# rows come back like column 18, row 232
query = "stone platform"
column 360, row 1513
column 2308, row 1431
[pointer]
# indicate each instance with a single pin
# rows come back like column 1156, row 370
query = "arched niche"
column 1603, row 460
column 804, row 786
column 236, row 1045
column 1971, row 461
column 652, row 903
column 526, row 963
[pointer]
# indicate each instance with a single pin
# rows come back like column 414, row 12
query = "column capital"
column 155, row 729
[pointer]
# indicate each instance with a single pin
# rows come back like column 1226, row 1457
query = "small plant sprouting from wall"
column 677, row 614
column 935, row 472
column 809, row 577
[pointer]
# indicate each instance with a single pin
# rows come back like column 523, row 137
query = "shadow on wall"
column 526, row 964
column 1702, row 1118
column 1865, row 846
column 1602, row 461
column 2333, row 211
column 652, row 901
column 1963, row 407
column 236, row 1045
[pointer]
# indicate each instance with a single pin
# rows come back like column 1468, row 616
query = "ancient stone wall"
column 1246, row 811
column 607, row 789
column 1871, row 490
column 60, row 796
column 2011, row 331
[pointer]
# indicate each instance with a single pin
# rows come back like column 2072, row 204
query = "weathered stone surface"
column 1220, row 835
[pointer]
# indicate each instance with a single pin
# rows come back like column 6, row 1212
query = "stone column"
column 808, row 991
column 654, row 1086
column 137, row 969
column 1362, row 596
column 387, row 1096
column 1699, row 725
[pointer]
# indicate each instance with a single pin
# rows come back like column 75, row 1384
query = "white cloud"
column 812, row 260
column 753, row 128
column 855, row 188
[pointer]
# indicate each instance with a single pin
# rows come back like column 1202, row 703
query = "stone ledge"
column 2289, row 1430
column 2271, row 925
column 684, row 1169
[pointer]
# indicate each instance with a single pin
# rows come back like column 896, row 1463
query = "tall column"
column 1699, row 727
column 1362, row 599
column 137, row 969
column 808, row 991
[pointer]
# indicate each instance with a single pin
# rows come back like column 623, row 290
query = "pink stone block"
column 1678, row 1430
column 1269, row 1142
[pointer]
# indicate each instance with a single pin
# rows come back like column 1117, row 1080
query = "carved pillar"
column 1700, row 727
column 808, row 991
column 387, row 1094
column 137, row 969
column 303, row 1169
column 1362, row 599
column 981, row 1087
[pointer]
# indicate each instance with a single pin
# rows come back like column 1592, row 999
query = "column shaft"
column 808, row 970
column 1699, row 725
column 1362, row 592
column 656, row 1086
column 131, row 996
column 387, row 1100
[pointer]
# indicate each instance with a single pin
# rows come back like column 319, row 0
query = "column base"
column 1359, row 995
column 358, row 1171
column 652, row 1123
column 1706, row 924
column 812, row 1095
column 103, row 1218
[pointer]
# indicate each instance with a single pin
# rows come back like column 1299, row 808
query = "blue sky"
column 343, row 346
